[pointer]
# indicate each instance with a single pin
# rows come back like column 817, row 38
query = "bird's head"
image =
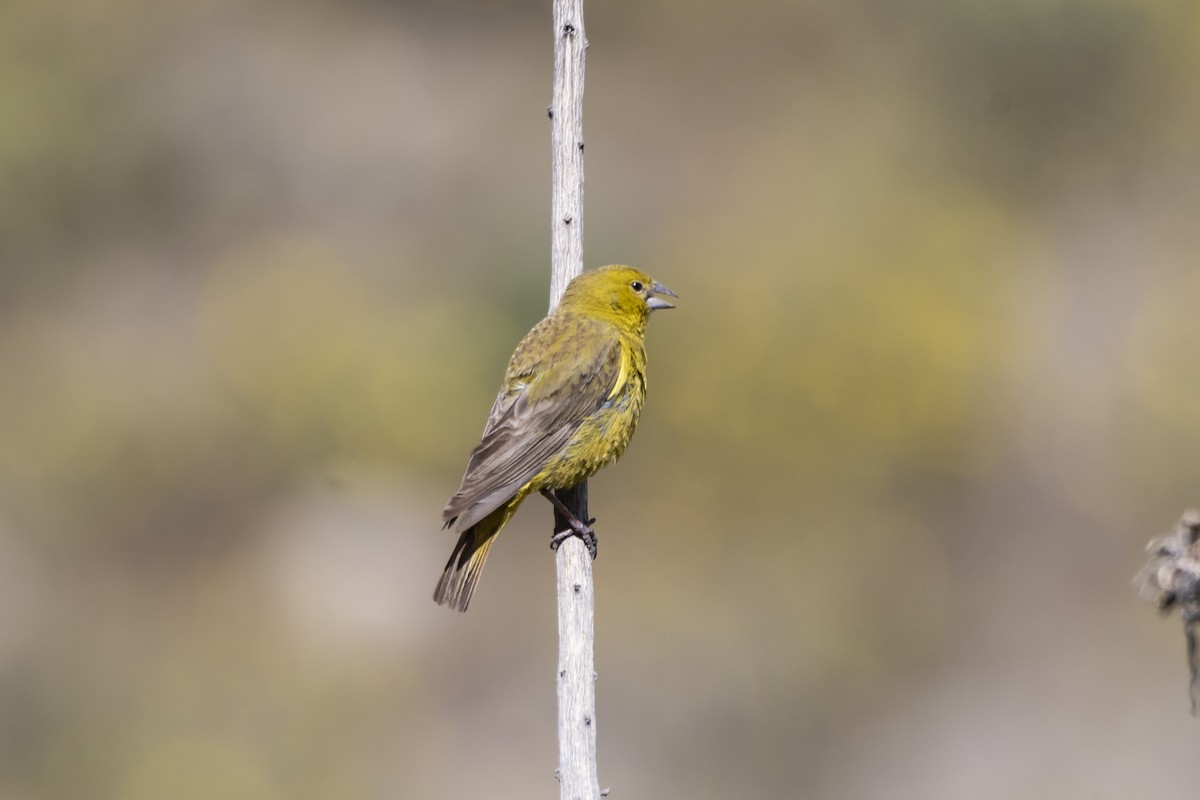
column 620, row 294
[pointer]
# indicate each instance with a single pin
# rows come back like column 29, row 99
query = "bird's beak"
column 653, row 302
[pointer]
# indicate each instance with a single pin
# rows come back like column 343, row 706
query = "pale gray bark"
column 566, row 139
column 576, row 600
column 576, row 675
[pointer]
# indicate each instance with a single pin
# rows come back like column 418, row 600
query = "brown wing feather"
column 554, row 383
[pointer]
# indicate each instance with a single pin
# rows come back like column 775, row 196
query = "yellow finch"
column 569, row 405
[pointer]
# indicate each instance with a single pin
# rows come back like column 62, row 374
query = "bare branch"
column 576, row 599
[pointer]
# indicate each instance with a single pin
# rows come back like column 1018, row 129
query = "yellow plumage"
column 569, row 404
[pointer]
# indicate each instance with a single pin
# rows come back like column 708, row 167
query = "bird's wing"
column 553, row 384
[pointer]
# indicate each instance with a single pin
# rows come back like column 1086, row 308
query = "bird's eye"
column 636, row 286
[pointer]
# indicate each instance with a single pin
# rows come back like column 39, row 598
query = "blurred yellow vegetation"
column 301, row 346
column 198, row 770
column 884, row 342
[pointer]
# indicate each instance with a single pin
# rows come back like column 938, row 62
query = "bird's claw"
column 585, row 533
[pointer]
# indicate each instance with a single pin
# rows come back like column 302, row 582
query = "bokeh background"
column 933, row 383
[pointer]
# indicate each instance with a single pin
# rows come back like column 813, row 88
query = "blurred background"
column 933, row 383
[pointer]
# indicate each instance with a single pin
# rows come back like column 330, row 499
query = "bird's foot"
column 583, row 530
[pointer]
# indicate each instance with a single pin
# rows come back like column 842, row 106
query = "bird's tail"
column 461, row 575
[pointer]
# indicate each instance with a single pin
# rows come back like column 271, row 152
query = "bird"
column 569, row 404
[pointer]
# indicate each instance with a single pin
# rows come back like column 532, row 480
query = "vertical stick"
column 576, row 600
column 576, row 668
column 566, row 141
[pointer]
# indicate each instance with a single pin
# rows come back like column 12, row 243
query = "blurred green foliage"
column 932, row 383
